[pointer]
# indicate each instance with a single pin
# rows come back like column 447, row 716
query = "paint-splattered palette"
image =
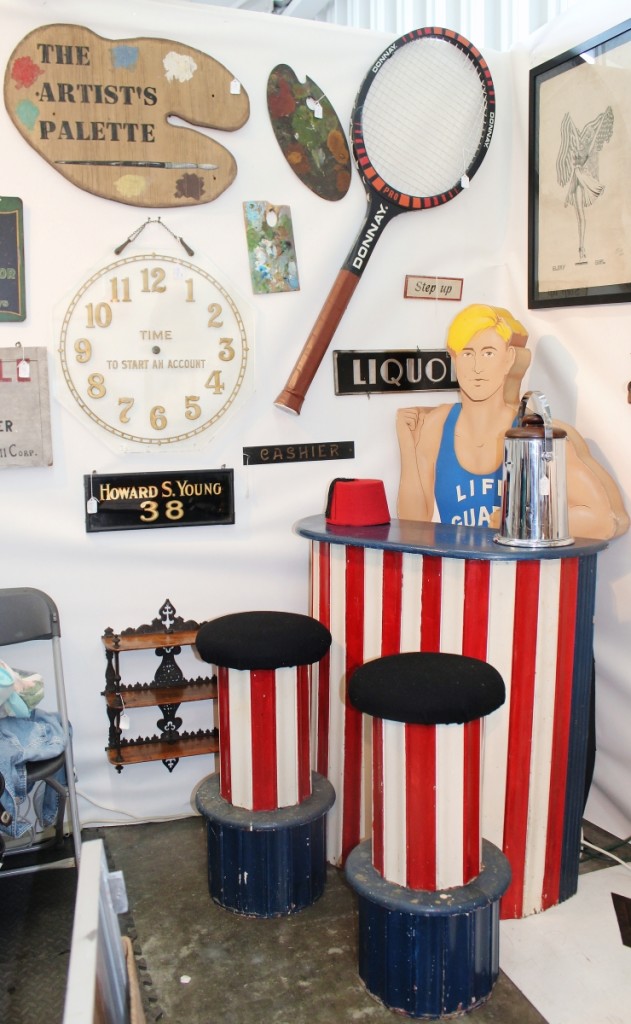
column 271, row 250
column 309, row 133
column 97, row 111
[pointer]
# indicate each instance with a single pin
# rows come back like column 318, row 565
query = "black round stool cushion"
column 251, row 640
column 427, row 688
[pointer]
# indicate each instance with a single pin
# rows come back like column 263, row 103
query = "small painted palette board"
column 97, row 111
column 309, row 133
column 271, row 249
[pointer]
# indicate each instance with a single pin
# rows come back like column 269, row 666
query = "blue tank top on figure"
column 462, row 497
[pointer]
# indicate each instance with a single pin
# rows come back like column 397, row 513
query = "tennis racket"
column 422, row 124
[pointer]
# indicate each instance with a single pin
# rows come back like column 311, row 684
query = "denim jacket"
column 35, row 738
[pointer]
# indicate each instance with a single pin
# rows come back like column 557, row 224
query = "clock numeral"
column 96, row 386
column 83, row 348
column 214, row 383
column 226, row 352
column 215, row 311
column 152, row 280
column 157, row 417
column 126, row 404
column 192, row 409
column 120, row 289
column 99, row 314
column 189, row 289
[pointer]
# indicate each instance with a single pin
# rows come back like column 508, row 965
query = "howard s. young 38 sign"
column 138, row 501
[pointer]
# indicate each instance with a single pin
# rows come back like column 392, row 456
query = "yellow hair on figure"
column 477, row 317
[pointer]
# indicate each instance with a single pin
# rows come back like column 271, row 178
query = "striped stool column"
column 265, row 812
column 428, row 885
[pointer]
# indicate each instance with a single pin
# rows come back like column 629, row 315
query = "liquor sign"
column 138, row 501
column 25, row 438
column 360, row 371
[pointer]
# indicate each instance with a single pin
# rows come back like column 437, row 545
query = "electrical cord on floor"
column 608, row 853
column 98, row 822
column 103, row 807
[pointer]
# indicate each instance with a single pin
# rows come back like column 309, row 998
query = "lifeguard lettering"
column 484, row 485
column 480, row 492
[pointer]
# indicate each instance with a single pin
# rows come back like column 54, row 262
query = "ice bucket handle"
column 540, row 404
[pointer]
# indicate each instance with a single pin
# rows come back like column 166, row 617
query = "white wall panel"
column 120, row 579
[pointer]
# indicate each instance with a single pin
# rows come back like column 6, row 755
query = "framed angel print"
column 579, row 208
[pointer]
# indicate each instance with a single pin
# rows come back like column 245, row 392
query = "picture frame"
column 579, row 201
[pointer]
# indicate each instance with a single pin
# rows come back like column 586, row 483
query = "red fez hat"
column 357, row 503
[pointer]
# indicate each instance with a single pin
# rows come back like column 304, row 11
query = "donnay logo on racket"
column 363, row 251
column 384, row 56
column 489, row 132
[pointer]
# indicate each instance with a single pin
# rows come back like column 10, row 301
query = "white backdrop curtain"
column 495, row 24
column 118, row 579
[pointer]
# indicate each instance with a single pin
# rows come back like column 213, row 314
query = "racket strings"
column 423, row 117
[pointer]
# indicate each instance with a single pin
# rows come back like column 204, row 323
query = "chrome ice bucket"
column 534, row 512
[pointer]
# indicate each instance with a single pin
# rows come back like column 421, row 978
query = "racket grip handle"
column 293, row 394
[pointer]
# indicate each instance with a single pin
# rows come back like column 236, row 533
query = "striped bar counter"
column 411, row 586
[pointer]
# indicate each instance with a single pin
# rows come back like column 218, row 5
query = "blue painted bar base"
column 429, row 954
column 266, row 863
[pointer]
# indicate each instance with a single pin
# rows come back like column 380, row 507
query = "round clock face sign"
column 155, row 351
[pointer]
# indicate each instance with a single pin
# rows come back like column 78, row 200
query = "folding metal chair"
column 28, row 615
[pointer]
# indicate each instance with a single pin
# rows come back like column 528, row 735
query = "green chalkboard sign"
column 12, row 293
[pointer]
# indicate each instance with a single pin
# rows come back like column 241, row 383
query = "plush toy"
column 19, row 691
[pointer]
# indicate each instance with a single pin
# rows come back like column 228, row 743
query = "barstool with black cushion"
column 428, row 884
column 266, row 810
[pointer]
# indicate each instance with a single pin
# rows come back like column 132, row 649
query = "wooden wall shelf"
column 138, row 751
column 168, row 689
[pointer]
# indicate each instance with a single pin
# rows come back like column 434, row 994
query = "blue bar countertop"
column 443, row 539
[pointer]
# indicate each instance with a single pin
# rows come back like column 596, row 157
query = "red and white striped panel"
column 426, row 803
column 264, row 756
column 521, row 617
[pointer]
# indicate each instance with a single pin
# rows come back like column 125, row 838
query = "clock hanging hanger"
column 155, row 350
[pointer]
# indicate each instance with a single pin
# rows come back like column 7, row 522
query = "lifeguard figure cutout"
column 451, row 455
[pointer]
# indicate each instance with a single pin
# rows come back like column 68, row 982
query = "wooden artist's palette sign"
column 25, row 438
column 97, row 111
column 139, row 501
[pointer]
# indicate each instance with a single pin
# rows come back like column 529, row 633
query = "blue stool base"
column 266, row 863
column 429, row 954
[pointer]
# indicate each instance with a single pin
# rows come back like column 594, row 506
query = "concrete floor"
column 200, row 963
